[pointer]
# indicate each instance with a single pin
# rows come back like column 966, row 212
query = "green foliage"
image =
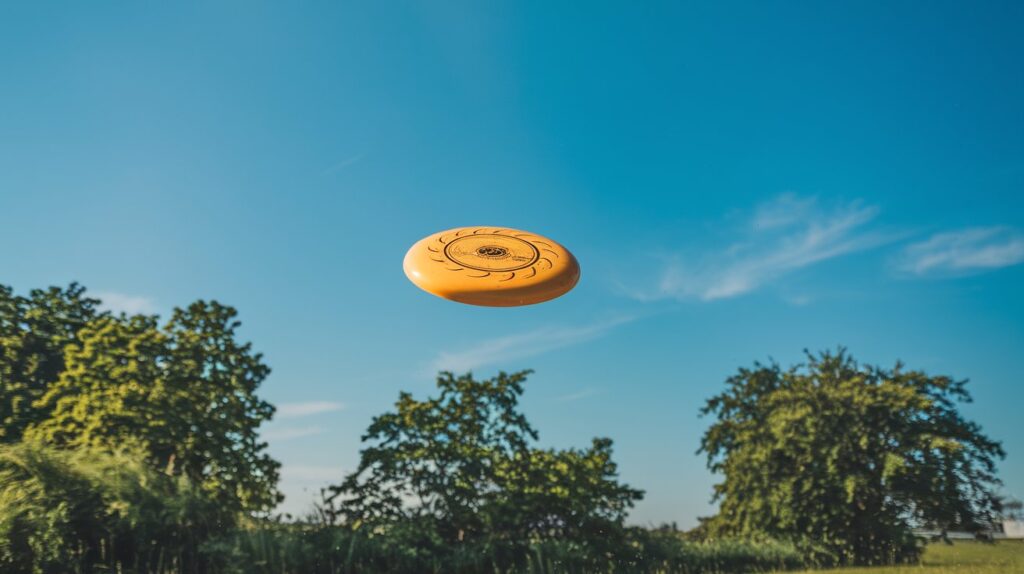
column 960, row 557
column 269, row 548
column 216, row 407
column 88, row 511
column 33, row 333
column 131, row 446
column 110, row 389
column 185, row 393
column 845, row 458
column 456, row 475
column 724, row 555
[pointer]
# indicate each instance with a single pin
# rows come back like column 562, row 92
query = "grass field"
column 1006, row 557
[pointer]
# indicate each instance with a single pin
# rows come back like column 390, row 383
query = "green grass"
column 1005, row 557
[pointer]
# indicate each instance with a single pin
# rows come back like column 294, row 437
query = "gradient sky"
column 740, row 181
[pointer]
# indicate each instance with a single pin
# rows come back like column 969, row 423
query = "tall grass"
column 296, row 548
column 80, row 511
column 960, row 557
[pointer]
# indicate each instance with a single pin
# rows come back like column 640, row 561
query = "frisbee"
column 491, row 266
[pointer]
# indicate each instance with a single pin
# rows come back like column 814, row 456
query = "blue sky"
column 740, row 181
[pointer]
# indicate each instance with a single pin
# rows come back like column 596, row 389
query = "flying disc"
column 491, row 266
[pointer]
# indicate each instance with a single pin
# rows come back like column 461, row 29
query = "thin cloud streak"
column 571, row 397
column 522, row 345
column 784, row 235
column 122, row 303
column 964, row 251
column 343, row 164
column 294, row 410
column 784, row 210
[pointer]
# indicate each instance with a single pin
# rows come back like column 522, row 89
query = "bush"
column 85, row 511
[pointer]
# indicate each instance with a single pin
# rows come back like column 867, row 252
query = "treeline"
column 127, row 445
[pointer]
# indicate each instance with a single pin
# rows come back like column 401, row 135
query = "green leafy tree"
column 847, row 457
column 185, row 394
column 33, row 333
column 458, row 469
column 217, row 410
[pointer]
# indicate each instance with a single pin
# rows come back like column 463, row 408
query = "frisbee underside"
column 491, row 266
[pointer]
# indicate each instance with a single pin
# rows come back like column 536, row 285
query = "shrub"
column 84, row 511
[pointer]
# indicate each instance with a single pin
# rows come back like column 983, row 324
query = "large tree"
column 461, row 469
column 847, row 457
column 185, row 393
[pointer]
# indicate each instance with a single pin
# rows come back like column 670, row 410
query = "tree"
column 459, row 468
column 184, row 394
column 847, row 457
column 216, row 378
column 33, row 333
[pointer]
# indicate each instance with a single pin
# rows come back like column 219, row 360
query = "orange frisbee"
column 491, row 266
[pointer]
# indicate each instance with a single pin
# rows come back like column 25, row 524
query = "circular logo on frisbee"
column 492, row 252
column 489, row 252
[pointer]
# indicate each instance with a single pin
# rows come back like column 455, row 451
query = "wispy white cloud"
column 522, row 345
column 786, row 209
column 121, row 303
column 343, row 164
column 964, row 251
column 293, row 410
column 288, row 433
column 799, row 300
column 782, row 236
column 577, row 395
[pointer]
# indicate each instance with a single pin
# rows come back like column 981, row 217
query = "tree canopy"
column 33, row 333
column 461, row 468
column 184, row 393
column 847, row 457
